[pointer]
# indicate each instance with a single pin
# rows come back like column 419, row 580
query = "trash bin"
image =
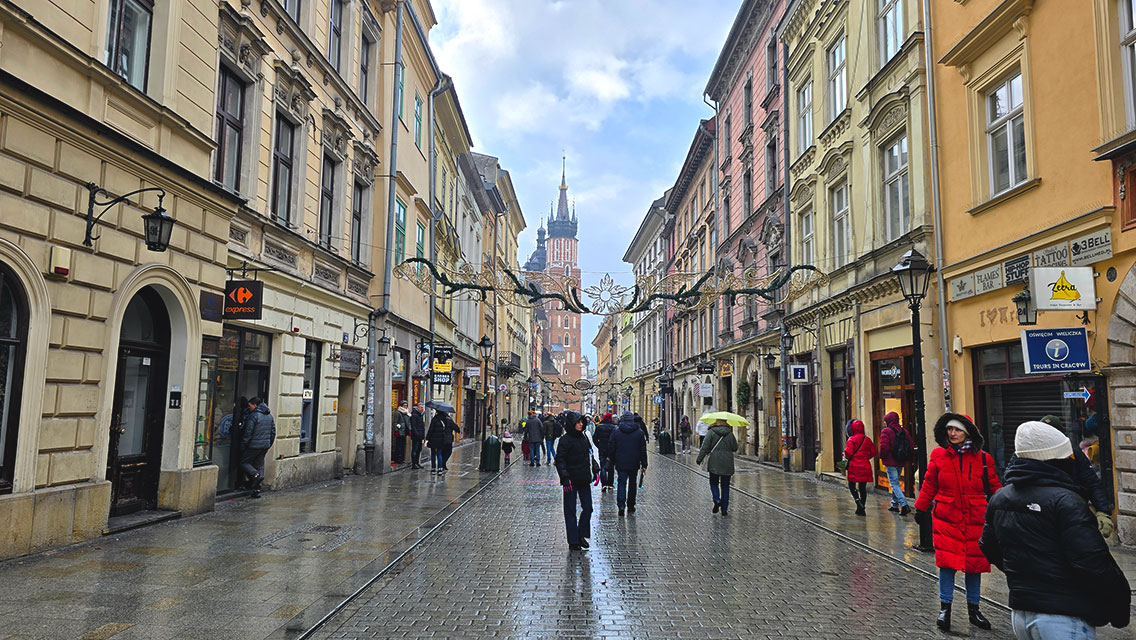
column 490, row 454
column 666, row 444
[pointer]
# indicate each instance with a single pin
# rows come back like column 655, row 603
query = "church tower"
column 560, row 260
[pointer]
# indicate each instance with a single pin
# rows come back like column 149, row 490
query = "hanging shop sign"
column 441, row 377
column 726, row 369
column 1091, row 248
column 799, row 373
column 704, row 389
column 350, row 362
column 443, row 355
column 244, row 300
column 962, row 287
column 1063, row 288
column 705, row 367
column 1056, row 350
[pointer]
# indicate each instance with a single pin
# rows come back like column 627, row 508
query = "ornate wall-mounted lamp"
column 158, row 226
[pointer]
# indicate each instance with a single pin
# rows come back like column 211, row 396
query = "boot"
column 905, row 510
column 944, row 621
column 976, row 617
column 860, row 509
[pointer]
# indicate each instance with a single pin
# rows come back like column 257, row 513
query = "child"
column 507, row 446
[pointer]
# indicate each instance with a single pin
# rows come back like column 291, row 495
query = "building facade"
column 645, row 254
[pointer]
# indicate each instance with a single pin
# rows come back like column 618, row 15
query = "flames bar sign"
column 244, row 300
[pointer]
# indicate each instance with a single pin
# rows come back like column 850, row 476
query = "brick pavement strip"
column 672, row 570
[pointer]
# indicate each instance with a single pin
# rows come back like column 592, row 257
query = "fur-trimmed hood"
column 973, row 433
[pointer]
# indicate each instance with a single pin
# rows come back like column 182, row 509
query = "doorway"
column 243, row 373
column 138, row 415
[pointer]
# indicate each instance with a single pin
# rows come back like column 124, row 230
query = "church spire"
column 562, row 205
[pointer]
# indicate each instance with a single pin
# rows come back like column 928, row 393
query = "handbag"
column 842, row 464
column 985, row 476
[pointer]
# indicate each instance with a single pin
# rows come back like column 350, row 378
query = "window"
column 808, row 252
column 443, row 190
column 771, row 65
column 399, row 231
column 13, row 339
column 327, row 201
column 365, row 70
column 837, row 87
column 1006, row 135
column 726, row 130
column 841, row 229
column 310, row 417
column 747, row 93
column 357, row 194
column 335, row 34
column 293, row 8
column 891, row 29
column 401, row 70
column 230, row 129
column 897, row 211
column 128, row 40
column 805, row 116
column 1128, row 53
column 282, row 170
column 726, row 217
column 420, row 241
column 418, row 120
column 747, row 194
column 770, row 166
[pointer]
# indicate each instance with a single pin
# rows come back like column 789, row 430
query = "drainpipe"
column 440, row 86
column 787, row 236
column 936, row 200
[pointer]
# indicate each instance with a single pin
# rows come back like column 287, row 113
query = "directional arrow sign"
column 1083, row 394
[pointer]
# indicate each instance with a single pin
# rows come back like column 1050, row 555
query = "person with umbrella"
column 440, row 437
column 719, row 446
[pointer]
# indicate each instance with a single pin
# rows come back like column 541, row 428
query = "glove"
column 596, row 480
column 568, row 487
column 922, row 517
column 1104, row 523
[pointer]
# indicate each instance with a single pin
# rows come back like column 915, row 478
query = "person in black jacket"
column 629, row 452
column 577, row 467
column 1090, row 482
column 256, row 439
column 602, row 436
column 534, row 435
column 1039, row 531
column 553, row 429
column 440, row 439
column 417, row 435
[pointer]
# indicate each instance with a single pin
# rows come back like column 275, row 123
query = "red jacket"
column 887, row 446
column 954, row 482
column 859, row 452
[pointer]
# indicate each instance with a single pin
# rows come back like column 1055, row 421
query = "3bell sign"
column 244, row 300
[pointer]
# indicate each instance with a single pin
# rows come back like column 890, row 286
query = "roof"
column 655, row 210
column 730, row 48
column 699, row 147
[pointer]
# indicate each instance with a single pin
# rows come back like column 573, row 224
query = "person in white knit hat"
column 1039, row 531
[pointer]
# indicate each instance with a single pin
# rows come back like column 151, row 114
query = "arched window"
column 13, row 346
column 567, row 270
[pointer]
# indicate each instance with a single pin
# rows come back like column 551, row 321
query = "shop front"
column 893, row 390
column 235, row 368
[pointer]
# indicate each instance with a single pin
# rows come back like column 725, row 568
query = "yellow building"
column 1022, row 110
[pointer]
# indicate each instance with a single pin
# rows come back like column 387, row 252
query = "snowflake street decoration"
column 607, row 296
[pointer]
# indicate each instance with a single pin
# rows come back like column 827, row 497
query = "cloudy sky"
column 616, row 85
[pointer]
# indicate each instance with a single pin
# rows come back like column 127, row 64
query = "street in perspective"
column 344, row 319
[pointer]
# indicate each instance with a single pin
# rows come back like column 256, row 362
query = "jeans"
column 252, row 462
column 685, row 440
column 720, row 489
column 947, row 586
column 437, row 458
column 607, row 473
column 549, row 449
column 897, row 497
column 583, row 528
column 534, row 452
column 1047, row 626
column 416, row 452
column 625, row 488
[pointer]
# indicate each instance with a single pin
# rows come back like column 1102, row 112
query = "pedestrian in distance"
column 399, row 428
column 578, row 469
column 895, row 453
column 553, row 429
column 643, row 426
column 534, row 435
column 257, row 438
column 960, row 479
column 684, row 434
column 858, row 454
column 629, row 453
column 440, row 439
column 1040, row 532
column 417, row 435
column 507, row 445
column 602, row 437
column 1086, row 477
column 719, row 446
column 701, row 428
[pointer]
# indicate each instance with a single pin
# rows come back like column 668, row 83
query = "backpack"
column 901, row 448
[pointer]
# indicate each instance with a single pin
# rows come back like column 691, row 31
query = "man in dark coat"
column 417, row 435
column 553, row 429
column 440, row 439
column 400, row 426
column 259, row 434
column 1090, row 482
column 629, row 452
column 602, row 437
column 1040, row 533
column 534, row 435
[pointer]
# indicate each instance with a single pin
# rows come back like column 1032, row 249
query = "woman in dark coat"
column 440, row 439
column 960, row 476
column 859, row 452
column 578, row 470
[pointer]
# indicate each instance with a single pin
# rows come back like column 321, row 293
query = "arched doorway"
column 13, row 346
column 138, row 417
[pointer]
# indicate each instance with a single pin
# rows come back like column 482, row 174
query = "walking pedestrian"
column 602, row 437
column 1088, row 480
column 684, row 434
column 534, row 435
column 1039, row 531
column 579, row 471
column 701, row 429
column 417, row 435
column 719, row 445
column 553, row 429
column 858, row 452
column 643, row 426
column 507, row 445
column 629, row 452
column 440, row 439
column 257, row 438
column 895, row 452
column 399, row 428
column 960, row 479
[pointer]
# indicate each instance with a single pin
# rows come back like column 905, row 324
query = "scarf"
column 962, row 448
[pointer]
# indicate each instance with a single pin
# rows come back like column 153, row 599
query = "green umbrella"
column 732, row 419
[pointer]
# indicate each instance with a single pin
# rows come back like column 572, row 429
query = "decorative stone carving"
column 365, row 162
column 357, row 287
column 241, row 42
column 772, row 236
column 326, row 274
column 336, row 132
column 238, row 235
column 293, row 91
column 280, row 254
column 838, row 167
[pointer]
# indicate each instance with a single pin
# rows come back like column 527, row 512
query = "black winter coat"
column 1040, row 533
column 417, row 425
column 574, row 459
column 534, row 429
column 629, row 445
column 441, row 433
column 260, row 429
column 602, row 436
column 553, row 428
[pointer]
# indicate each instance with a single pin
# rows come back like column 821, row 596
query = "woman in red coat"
column 955, row 482
column 859, row 452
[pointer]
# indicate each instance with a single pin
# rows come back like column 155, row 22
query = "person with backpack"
column 895, row 453
column 858, row 454
column 602, row 437
column 629, row 453
column 534, row 435
column 553, row 429
column 960, row 479
column 720, row 445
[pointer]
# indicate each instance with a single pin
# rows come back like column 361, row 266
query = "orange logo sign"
column 240, row 295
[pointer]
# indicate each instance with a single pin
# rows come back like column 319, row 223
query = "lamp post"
column 486, row 347
column 914, row 273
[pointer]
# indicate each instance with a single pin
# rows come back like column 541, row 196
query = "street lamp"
column 914, row 273
column 1027, row 312
column 486, row 347
column 157, row 225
